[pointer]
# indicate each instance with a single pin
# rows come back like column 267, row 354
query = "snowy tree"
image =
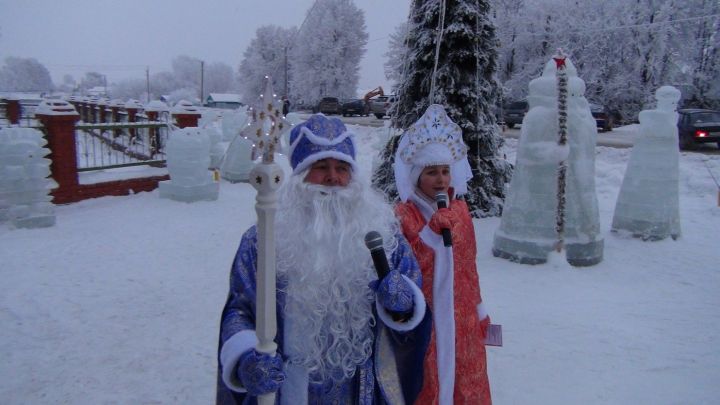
column 397, row 49
column 187, row 71
column 705, row 58
column 327, row 51
column 162, row 83
column 24, row 74
column 129, row 89
column 92, row 79
column 265, row 56
column 219, row 78
column 465, row 84
column 624, row 50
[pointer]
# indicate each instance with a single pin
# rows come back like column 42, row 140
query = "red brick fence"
column 62, row 122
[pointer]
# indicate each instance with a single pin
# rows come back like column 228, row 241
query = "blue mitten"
column 260, row 373
column 394, row 293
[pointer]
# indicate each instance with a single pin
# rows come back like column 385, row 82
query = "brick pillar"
column 185, row 114
column 92, row 110
column 84, row 116
column 115, row 107
column 131, row 117
column 184, row 120
column 102, row 110
column 12, row 111
column 59, row 118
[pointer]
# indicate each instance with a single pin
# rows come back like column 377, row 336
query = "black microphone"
column 441, row 199
column 374, row 242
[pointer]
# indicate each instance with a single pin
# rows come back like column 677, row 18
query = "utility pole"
column 147, row 82
column 202, row 76
column 286, row 72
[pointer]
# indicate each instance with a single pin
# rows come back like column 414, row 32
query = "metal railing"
column 112, row 145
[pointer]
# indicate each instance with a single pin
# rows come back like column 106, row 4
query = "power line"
column 623, row 27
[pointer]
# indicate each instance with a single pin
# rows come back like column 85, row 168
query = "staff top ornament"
column 267, row 123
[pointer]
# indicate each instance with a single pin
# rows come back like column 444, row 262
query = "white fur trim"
column 443, row 313
column 418, row 311
column 325, row 155
column 230, row 354
column 482, row 311
column 295, row 388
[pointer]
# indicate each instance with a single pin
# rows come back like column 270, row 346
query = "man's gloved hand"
column 394, row 292
column 260, row 373
column 441, row 219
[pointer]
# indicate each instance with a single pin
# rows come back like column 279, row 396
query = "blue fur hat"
column 320, row 138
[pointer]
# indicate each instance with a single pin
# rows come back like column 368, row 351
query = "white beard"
column 321, row 252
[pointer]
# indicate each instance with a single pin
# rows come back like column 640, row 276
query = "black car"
column 604, row 118
column 328, row 105
column 514, row 113
column 696, row 126
column 355, row 106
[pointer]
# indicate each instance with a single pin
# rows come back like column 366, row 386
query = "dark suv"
column 697, row 126
column 355, row 106
column 514, row 113
column 328, row 105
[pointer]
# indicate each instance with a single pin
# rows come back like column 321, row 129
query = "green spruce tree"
column 465, row 84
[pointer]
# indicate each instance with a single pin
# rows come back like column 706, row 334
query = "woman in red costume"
column 432, row 159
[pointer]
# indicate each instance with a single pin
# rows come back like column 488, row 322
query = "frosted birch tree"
column 266, row 55
column 326, row 52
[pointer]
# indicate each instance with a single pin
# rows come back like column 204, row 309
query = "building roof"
column 224, row 98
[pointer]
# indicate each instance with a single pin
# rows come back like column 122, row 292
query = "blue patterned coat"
column 392, row 375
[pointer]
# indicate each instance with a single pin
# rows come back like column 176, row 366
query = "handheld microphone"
column 441, row 199
column 374, row 242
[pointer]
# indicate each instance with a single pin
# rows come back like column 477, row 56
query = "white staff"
column 265, row 128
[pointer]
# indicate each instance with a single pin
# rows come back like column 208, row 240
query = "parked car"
column 514, row 112
column 381, row 104
column 696, row 126
column 605, row 119
column 328, row 105
column 355, row 106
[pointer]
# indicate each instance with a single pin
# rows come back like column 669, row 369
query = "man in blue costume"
column 344, row 337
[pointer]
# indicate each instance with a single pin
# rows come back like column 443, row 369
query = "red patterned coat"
column 471, row 385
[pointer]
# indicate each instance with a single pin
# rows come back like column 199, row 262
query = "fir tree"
column 465, row 84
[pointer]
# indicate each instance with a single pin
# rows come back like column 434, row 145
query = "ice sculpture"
column 648, row 205
column 238, row 161
column 233, row 122
column 188, row 159
column 527, row 231
column 24, row 179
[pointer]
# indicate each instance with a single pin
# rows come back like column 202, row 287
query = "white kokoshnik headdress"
column 432, row 140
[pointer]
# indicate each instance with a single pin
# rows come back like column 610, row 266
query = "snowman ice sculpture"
column 238, row 161
column 648, row 205
column 24, row 182
column 527, row 231
column 188, row 159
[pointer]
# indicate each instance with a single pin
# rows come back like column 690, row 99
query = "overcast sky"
column 120, row 38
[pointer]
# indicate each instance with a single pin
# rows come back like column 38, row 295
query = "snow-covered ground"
column 119, row 302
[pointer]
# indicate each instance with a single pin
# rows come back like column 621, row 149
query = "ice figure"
column 209, row 123
column 527, row 231
column 24, row 179
column 238, row 161
column 188, row 159
column 648, row 205
column 233, row 122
